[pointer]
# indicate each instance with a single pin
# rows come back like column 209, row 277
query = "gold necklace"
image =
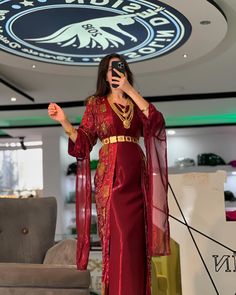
column 125, row 116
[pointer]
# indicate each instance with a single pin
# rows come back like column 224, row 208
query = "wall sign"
column 81, row 32
column 207, row 255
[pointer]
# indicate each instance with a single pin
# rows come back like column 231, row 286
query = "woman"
column 130, row 189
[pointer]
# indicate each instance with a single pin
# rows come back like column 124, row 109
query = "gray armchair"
column 30, row 261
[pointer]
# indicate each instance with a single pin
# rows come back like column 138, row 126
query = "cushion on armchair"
column 63, row 253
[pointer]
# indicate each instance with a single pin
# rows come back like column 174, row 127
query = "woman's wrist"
column 70, row 131
column 145, row 109
column 68, row 127
column 130, row 91
column 64, row 121
column 138, row 99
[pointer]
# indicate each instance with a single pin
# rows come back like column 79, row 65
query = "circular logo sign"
column 80, row 32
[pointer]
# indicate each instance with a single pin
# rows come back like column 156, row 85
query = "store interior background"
column 196, row 94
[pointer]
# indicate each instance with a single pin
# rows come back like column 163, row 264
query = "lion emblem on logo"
column 91, row 33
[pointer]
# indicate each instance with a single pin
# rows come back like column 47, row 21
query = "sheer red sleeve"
column 86, row 138
column 86, row 134
column 157, row 211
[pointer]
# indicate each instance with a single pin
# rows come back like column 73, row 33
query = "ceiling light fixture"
column 185, row 55
column 171, row 132
column 13, row 99
column 34, row 143
column 33, row 66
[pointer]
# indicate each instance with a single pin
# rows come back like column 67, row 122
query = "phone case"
column 119, row 65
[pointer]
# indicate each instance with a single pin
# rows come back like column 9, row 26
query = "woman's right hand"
column 56, row 113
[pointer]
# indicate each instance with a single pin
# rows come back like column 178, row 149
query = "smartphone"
column 120, row 66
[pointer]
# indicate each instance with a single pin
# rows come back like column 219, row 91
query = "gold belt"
column 119, row 138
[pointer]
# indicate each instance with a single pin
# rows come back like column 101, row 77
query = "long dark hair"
column 103, row 87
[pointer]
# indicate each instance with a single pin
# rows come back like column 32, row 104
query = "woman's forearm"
column 139, row 100
column 69, row 129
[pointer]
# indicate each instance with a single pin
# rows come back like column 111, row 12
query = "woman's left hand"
column 121, row 81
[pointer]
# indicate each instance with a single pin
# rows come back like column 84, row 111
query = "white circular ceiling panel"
column 71, row 37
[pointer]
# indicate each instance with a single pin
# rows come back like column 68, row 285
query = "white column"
column 55, row 162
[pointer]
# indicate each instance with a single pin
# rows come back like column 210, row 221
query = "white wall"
column 55, row 163
column 52, row 174
column 65, row 161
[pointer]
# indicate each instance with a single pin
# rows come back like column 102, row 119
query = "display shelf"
column 202, row 169
column 230, row 206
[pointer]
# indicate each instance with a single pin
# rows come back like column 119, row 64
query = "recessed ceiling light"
column 33, row 66
column 205, row 22
column 171, row 132
column 185, row 55
column 33, row 143
column 13, row 99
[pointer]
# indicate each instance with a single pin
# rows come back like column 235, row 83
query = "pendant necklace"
column 125, row 116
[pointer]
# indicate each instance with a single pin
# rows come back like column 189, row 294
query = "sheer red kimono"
column 130, row 193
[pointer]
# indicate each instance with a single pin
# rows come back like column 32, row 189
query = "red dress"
column 127, row 273
column 125, row 200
